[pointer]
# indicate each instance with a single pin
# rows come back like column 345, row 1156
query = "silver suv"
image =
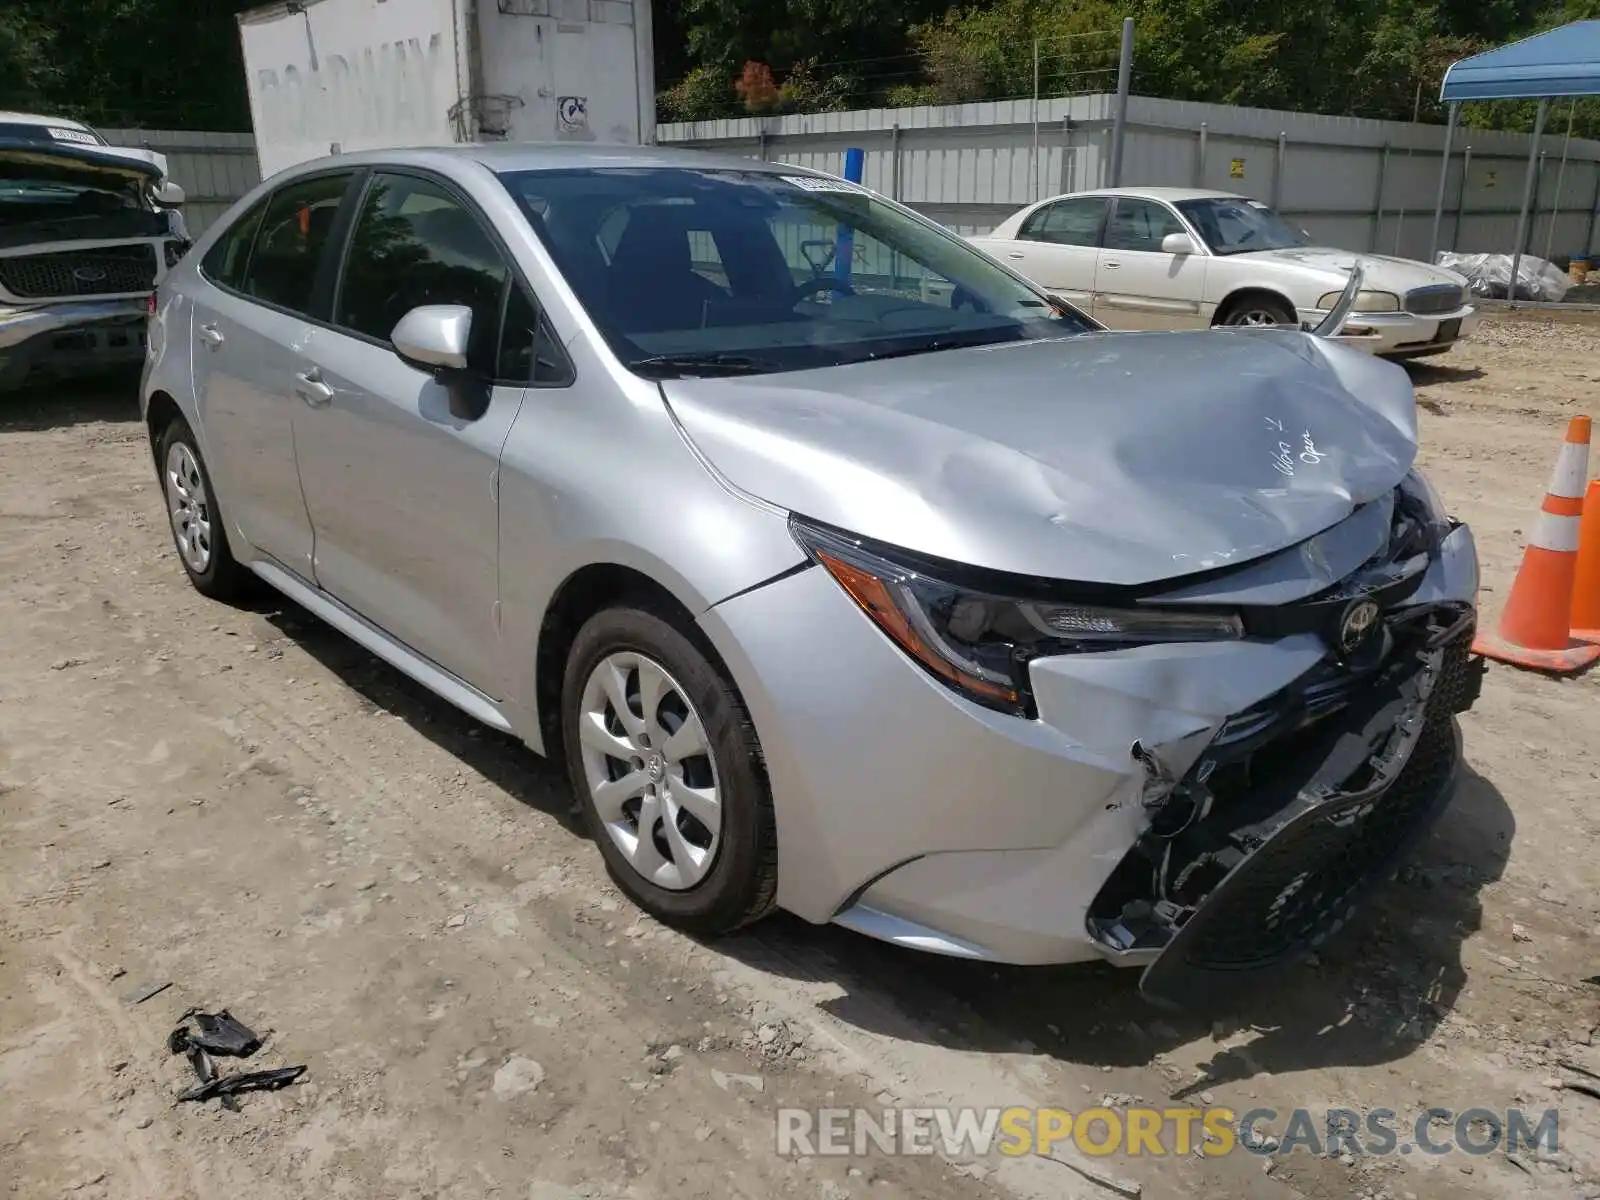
column 844, row 570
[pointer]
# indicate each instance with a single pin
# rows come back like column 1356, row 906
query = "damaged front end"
column 87, row 234
column 1260, row 851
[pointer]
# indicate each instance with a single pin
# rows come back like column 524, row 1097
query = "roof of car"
column 1169, row 194
column 503, row 157
column 21, row 118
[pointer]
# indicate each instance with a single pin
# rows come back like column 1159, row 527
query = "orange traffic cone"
column 1535, row 629
column 1586, row 590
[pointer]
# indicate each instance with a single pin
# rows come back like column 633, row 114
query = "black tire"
column 1240, row 309
column 740, row 885
column 223, row 578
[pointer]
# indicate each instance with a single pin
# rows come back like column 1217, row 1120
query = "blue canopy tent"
column 1560, row 62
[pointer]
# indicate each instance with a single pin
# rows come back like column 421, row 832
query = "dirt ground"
column 246, row 806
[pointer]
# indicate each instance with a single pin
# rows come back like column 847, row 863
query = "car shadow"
column 109, row 399
column 501, row 759
column 1425, row 373
column 1379, row 990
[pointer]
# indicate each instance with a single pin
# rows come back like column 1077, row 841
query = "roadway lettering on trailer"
column 377, row 91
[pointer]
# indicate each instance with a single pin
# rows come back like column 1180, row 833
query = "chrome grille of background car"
column 108, row 271
column 1434, row 299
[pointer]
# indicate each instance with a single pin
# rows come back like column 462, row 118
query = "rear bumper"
column 71, row 339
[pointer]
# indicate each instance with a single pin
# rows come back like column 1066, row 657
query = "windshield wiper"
column 987, row 337
column 710, row 363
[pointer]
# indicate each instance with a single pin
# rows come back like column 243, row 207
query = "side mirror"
column 1178, row 243
column 433, row 338
column 168, row 194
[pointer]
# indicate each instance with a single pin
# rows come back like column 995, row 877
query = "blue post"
column 855, row 161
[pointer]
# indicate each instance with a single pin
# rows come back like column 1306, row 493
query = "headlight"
column 1368, row 302
column 1416, row 483
column 975, row 639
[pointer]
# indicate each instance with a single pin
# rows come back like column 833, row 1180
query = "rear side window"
column 1066, row 223
column 228, row 260
column 415, row 244
column 293, row 235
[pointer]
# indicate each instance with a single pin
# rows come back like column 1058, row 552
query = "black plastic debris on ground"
column 224, row 1035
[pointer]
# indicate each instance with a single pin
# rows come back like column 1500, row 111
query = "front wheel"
column 668, row 773
column 1259, row 310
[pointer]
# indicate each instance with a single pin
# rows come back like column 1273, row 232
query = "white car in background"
column 1183, row 258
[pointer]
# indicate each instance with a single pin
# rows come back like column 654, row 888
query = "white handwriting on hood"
column 1285, row 456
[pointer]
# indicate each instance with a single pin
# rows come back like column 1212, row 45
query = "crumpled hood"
column 1382, row 273
column 1107, row 458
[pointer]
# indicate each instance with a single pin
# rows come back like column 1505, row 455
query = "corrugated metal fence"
column 1364, row 185
column 215, row 169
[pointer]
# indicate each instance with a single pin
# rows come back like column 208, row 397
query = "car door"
column 400, row 468
column 1057, row 245
column 249, row 315
column 1139, row 286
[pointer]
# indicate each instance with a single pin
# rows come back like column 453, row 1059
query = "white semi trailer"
column 330, row 76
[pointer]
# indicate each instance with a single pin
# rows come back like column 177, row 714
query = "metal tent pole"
column 1561, row 178
column 1444, row 175
column 1527, row 199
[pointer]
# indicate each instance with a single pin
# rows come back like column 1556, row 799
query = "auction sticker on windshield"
column 74, row 135
column 812, row 183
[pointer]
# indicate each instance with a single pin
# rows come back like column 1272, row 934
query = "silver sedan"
column 844, row 570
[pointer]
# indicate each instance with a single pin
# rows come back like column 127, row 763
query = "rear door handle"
column 1014, row 254
column 1111, row 264
column 211, row 335
column 309, row 387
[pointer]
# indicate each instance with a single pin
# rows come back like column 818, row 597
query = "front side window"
column 1140, row 225
column 748, row 270
column 1233, row 225
column 414, row 244
column 294, row 233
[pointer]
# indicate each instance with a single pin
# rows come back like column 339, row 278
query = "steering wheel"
column 822, row 283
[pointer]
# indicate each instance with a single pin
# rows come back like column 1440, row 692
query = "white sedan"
column 1182, row 258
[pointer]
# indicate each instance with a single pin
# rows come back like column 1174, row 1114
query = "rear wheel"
column 1258, row 310
column 668, row 773
column 197, row 526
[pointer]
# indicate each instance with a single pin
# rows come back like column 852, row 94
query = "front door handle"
column 1014, row 254
column 211, row 335
column 309, row 387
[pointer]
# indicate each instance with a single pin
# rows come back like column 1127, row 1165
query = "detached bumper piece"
column 1300, row 805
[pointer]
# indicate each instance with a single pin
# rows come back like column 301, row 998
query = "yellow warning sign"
column 1236, row 169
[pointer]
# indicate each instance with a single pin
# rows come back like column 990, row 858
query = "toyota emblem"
column 89, row 275
column 1360, row 618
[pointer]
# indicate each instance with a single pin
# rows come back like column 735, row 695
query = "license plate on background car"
column 1449, row 331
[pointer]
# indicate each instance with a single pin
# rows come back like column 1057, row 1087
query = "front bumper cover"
column 1296, row 853
column 19, row 325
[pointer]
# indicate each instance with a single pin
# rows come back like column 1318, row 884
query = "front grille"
column 109, row 271
column 1435, row 299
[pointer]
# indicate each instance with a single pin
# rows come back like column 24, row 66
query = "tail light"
column 150, row 304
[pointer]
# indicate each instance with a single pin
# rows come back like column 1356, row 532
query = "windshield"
column 28, row 199
column 1231, row 225
column 690, row 271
